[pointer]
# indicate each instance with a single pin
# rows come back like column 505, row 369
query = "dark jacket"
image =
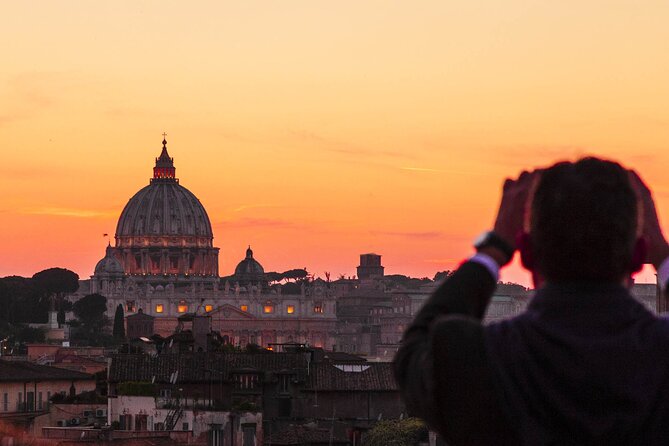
column 584, row 364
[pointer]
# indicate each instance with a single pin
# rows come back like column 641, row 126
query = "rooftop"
column 376, row 376
column 198, row 367
column 24, row 371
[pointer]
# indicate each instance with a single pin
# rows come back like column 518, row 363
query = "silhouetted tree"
column 90, row 310
column 20, row 301
column 295, row 274
column 442, row 275
column 407, row 432
column 402, row 281
column 273, row 276
column 119, row 328
column 53, row 285
column 56, row 281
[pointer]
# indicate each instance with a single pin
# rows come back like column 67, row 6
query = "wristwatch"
column 490, row 239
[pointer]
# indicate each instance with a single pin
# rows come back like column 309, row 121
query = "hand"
column 512, row 209
column 658, row 249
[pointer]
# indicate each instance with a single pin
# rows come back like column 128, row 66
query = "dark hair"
column 584, row 221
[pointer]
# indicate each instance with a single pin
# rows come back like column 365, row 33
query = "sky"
column 313, row 130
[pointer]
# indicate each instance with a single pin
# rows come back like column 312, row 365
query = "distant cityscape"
column 156, row 344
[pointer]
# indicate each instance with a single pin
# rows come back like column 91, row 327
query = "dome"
column 109, row 265
column 164, row 213
column 164, row 209
column 164, row 234
column 249, row 270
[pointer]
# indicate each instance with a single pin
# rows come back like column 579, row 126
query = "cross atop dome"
column 164, row 169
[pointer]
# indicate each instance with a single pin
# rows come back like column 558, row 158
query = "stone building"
column 165, row 264
column 26, row 388
column 370, row 267
column 301, row 386
column 139, row 325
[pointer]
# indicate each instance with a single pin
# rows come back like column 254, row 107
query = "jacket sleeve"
column 465, row 293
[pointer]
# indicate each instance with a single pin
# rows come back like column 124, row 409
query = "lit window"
column 244, row 308
column 268, row 309
column 208, row 308
column 290, row 309
column 318, row 308
column 159, row 308
column 182, row 307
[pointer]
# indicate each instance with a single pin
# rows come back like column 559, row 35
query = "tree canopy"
column 441, row 275
column 56, row 281
column 20, row 301
column 401, row 281
column 407, row 432
column 90, row 309
column 286, row 276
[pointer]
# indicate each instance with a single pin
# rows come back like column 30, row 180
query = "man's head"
column 583, row 223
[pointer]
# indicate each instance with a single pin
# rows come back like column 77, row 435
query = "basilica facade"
column 164, row 264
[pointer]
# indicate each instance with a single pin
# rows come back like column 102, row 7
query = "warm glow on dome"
column 165, row 231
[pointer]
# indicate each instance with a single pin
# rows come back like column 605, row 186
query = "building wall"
column 25, row 396
column 68, row 412
column 198, row 421
column 356, row 405
column 243, row 315
column 36, row 351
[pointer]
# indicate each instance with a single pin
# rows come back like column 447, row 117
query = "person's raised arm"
column 656, row 244
column 466, row 292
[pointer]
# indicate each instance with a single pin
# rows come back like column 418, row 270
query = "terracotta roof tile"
column 27, row 371
column 196, row 367
column 373, row 376
column 300, row 435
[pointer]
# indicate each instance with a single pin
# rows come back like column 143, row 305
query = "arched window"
column 182, row 307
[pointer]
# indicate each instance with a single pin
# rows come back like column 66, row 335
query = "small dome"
column 249, row 270
column 109, row 264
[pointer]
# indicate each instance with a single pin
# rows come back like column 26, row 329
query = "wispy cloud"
column 443, row 261
column 411, row 234
column 252, row 222
column 27, row 94
column 31, row 172
column 255, row 206
column 434, row 170
column 342, row 147
column 522, row 154
column 68, row 212
column 422, row 169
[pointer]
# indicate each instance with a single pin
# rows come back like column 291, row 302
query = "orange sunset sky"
column 316, row 130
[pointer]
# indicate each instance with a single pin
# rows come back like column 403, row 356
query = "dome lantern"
column 164, row 169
